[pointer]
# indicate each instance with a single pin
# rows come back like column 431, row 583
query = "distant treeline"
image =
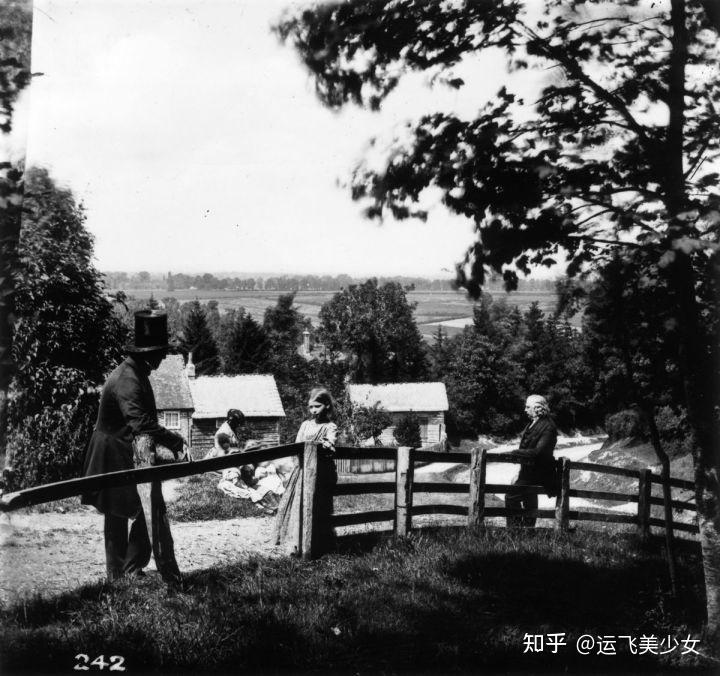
column 288, row 283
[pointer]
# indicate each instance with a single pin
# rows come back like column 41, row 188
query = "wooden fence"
column 403, row 488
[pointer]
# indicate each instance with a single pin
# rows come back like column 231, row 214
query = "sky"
column 196, row 143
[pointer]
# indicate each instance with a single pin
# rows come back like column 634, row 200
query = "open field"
column 452, row 309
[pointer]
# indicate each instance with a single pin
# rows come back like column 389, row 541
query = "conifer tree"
column 197, row 338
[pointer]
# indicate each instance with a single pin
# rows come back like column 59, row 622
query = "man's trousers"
column 128, row 555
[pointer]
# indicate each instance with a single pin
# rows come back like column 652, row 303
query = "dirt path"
column 54, row 552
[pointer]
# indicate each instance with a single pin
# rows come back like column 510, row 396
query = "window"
column 172, row 420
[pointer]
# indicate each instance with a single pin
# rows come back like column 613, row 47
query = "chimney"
column 190, row 367
column 306, row 342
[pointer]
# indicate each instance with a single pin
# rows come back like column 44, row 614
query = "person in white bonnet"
column 536, row 450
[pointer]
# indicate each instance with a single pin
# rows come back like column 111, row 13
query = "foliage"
column 555, row 179
column 49, row 446
column 198, row 339
column 407, row 431
column 627, row 424
column 374, row 325
column 283, row 283
column 617, row 154
column 674, row 430
column 507, row 355
column 630, row 326
column 284, row 324
column 67, row 336
column 484, row 387
column 244, row 346
column 440, row 601
column 15, row 37
column 368, row 422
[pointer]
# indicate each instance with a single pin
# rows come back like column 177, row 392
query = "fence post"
column 644, row 495
column 404, row 471
column 309, row 514
column 562, row 503
column 476, row 508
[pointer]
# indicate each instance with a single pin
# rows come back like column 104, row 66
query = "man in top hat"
column 127, row 416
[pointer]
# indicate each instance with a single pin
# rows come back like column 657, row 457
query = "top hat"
column 151, row 332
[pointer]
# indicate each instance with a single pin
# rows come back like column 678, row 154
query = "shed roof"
column 255, row 395
column 170, row 385
column 401, row 397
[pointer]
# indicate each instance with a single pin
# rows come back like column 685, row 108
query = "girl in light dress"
column 321, row 429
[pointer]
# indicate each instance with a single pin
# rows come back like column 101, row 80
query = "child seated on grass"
column 261, row 485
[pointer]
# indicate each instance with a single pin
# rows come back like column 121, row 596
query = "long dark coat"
column 537, row 445
column 127, row 409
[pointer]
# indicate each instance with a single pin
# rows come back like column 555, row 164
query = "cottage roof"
column 170, row 385
column 401, row 397
column 255, row 395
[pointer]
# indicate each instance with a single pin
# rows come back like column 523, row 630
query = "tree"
column 553, row 360
column 198, row 339
column 439, row 354
column 368, row 422
column 374, row 324
column 484, row 387
column 245, row 347
column 284, row 324
column 407, row 431
column 15, row 36
column 618, row 153
column 67, row 336
column 212, row 317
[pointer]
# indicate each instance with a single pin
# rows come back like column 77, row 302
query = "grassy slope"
column 198, row 499
column 437, row 601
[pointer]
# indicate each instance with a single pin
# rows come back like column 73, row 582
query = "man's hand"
column 177, row 444
column 185, row 452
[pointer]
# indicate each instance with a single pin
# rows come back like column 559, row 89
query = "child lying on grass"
column 262, row 485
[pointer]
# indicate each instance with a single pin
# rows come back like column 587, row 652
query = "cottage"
column 428, row 401
column 172, row 395
column 256, row 396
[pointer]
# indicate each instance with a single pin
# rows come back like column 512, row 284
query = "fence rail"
column 404, row 487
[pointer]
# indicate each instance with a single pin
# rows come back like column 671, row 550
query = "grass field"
column 437, row 601
column 432, row 306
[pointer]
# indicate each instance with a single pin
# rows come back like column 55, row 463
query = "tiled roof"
column 400, row 397
column 170, row 385
column 254, row 395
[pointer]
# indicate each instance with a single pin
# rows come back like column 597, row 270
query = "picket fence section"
column 404, row 461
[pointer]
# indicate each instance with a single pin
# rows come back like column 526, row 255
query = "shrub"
column 369, row 422
column 50, row 445
column 674, row 430
column 624, row 425
column 407, row 431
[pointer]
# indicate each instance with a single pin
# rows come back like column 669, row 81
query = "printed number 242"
column 116, row 662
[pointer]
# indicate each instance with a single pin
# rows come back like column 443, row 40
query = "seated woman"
column 227, row 431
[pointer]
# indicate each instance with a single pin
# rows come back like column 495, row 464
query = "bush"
column 675, row 433
column 50, row 446
column 625, row 424
column 407, row 431
column 368, row 423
